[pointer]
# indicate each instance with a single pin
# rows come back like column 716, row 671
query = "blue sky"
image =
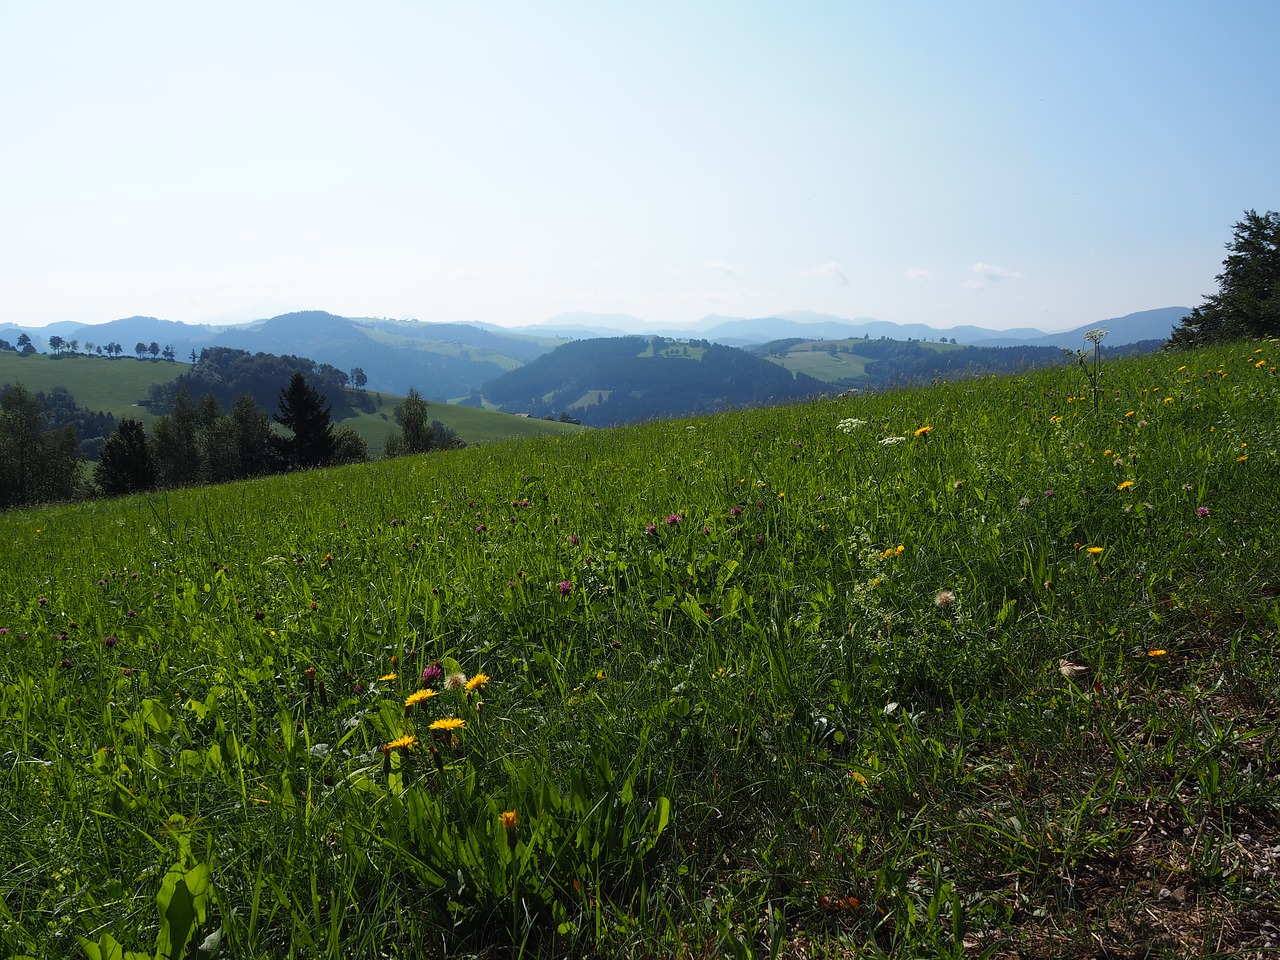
column 1000, row 164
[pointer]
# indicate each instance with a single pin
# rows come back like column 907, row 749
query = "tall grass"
column 962, row 670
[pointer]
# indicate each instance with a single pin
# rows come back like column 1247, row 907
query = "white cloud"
column 972, row 285
column 991, row 272
column 828, row 271
column 720, row 266
column 918, row 273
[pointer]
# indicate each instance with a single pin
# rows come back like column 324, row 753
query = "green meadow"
column 984, row 669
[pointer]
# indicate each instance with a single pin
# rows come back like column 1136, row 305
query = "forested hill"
column 616, row 380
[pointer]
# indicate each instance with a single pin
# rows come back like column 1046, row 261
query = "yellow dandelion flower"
column 1094, row 550
column 509, row 820
column 388, row 676
column 1157, row 653
column 447, row 724
column 418, row 696
column 1241, row 459
column 924, row 431
column 407, row 742
column 479, row 680
column 1126, row 485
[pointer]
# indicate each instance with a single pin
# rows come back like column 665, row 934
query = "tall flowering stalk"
column 1095, row 337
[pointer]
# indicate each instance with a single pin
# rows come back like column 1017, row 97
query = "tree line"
column 195, row 442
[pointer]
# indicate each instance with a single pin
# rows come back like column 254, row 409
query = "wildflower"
column 479, row 680
column 1241, row 459
column 573, row 540
column 417, row 697
column 388, row 676
column 1095, row 336
column 1126, row 485
column 734, row 511
column 1202, row 511
column 1048, row 493
column 673, row 518
column 651, row 530
column 109, row 641
column 509, row 820
column 889, row 441
column 565, row 587
column 1093, row 550
column 944, row 598
column 1157, row 653
column 924, row 431
column 406, row 742
column 456, row 681
column 447, row 724
column 431, row 673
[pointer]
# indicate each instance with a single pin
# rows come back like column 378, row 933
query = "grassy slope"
column 116, row 385
column 759, row 683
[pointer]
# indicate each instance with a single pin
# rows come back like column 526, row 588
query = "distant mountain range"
column 452, row 361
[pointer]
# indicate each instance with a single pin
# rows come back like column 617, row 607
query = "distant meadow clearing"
column 981, row 669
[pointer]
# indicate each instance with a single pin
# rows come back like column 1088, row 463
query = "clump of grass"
column 967, row 669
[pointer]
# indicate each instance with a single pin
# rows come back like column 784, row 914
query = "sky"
column 1003, row 164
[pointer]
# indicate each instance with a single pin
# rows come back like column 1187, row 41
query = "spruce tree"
column 304, row 413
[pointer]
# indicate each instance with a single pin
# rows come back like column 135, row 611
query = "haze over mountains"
column 450, row 361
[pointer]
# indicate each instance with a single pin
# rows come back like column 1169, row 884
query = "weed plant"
column 966, row 670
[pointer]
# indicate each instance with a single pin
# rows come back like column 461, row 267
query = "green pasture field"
column 822, row 366
column 986, row 669
column 97, row 383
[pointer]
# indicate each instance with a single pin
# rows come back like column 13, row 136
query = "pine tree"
column 1247, row 304
column 304, row 413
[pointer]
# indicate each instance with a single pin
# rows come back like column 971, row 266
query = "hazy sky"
column 1002, row 164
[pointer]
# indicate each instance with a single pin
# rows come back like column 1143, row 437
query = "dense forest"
column 628, row 379
column 227, row 374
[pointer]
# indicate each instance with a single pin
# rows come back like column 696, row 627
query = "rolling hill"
column 122, row 387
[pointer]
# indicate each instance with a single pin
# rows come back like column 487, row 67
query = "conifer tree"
column 304, row 413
